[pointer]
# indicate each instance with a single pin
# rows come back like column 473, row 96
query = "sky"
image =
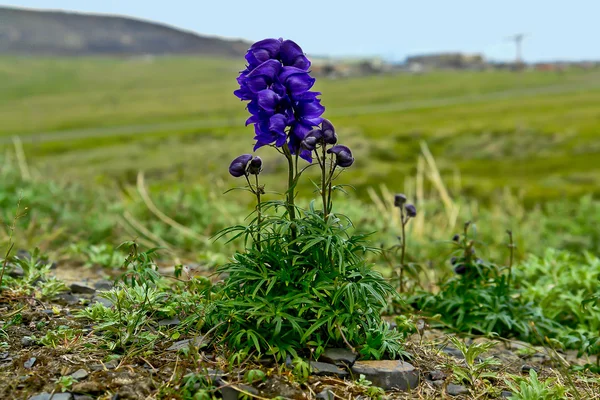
column 392, row 29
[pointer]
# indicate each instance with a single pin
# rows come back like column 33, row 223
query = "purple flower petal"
column 238, row 166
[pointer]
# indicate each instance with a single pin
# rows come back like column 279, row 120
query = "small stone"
column 82, row 397
column 16, row 272
column 455, row 390
column 230, row 393
column 80, row 288
column 30, row 363
column 388, row 374
column 105, row 302
column 526, row 368
column 436, row 375
column 169, row 322
column 321, row 368
column 67, row 298
column 103, row 285
column 452, row 351
column 183, row 344
column 340, row 357
column 27, row 341
column 326, row 395
column 55, row 396
column 80, row 374
column 506, row 394
column 4, row 355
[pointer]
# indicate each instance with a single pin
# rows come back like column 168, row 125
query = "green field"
column 535, row 132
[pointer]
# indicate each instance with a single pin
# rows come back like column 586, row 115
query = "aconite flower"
column 343, row 155
column 328, row 130
column 399, row 200
column 312, row 139
column 277, row 84
column 239, row 166
column 255, row 166
column 411, row 210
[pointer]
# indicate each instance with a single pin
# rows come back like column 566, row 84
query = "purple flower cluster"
column 277, row 85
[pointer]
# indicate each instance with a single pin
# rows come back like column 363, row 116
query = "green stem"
column 290, row 192
column 258, row 212
column 329, row 187
column 323, row 184
column 403, row 250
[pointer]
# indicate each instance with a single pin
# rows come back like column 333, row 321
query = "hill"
column 64, row 33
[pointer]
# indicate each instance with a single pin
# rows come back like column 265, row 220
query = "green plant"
column 366, row 386
column 474, row 370
column 480, row 299
column 302, row 278
column 61, row 336
column 65, row 383
column 35, row 279
column 533, row 389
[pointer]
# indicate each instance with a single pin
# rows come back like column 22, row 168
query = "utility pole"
column 518, row 39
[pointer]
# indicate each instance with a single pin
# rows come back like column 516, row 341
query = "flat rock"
column 48, row 396
column 340, row 357
column 388, row 374
column 321, row 368
column 506, row 394
column 80, row 374
column 81, row 288
column 453, row 351
column 455, row 390
column 27, row 341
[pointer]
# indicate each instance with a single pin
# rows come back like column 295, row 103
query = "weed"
column 474, row 371
column 533, row 389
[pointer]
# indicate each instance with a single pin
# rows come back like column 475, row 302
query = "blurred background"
column 475, row 110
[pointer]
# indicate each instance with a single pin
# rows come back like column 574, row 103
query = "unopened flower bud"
column 456, row 238
column 411, row 210
column 399, row 200
column 453, row 260
column 312, row 139
column 460, row 269
column 238, row 166
column 343, row 155
column 329, row 135
column 255, row 166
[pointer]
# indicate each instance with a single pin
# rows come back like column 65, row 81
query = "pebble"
column 27, row 341
column 455, row 390
column 80, row 288
column 80, row 374
column 506, row 394
column 326, row 395
column 526, row 368
column 388, row 374
column 436, row 375
column 321, row 368
column 30, row 363
column 55, row 396
column 169, row 322
column 105, row 302
column 230, row 393
column 183, row 344
column 103, row 285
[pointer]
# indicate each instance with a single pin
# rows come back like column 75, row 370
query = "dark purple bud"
column 411, row 210
column 255, row 166
column 343, row 155
column 456, row 238
column 453, row 260
column 399, row 200
column 329, row 135
column 460, row 269
column 311, row 140
column 238, row 166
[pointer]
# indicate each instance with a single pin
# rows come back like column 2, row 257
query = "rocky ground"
column 50, row 354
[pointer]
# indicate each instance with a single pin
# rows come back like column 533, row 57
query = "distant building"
column 445, row 61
